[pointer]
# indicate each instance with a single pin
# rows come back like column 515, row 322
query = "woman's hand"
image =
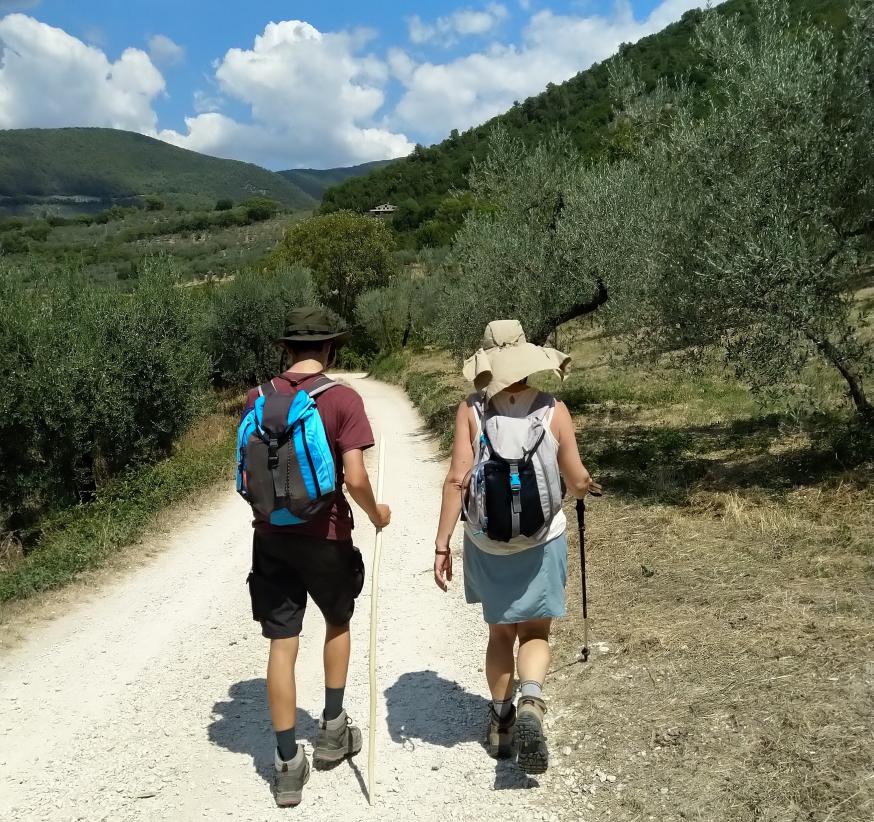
column 443, row 568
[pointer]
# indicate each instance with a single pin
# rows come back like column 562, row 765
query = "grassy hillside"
column 581, row 106
column 315, row 181
column 110, row 164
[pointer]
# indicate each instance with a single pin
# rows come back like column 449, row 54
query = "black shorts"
column 285, row 568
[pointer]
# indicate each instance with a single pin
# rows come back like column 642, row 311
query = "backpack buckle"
column 515, row 488
column 273, row 454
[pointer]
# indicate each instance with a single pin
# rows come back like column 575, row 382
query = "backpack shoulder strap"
column 266, row 389
column 320, row 385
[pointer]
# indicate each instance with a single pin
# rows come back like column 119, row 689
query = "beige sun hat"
column 506, row 357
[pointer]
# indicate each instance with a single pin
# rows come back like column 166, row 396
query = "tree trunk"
column 408, row 328
column 852, row 377
column 577, row 310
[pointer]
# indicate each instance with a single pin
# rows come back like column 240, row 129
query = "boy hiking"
column 302, row 436
column 514, row 451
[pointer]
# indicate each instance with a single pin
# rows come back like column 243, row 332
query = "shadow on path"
column 242, row 725
column 423, row 706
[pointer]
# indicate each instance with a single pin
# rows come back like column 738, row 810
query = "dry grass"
column 740, row 662
column 731, row 568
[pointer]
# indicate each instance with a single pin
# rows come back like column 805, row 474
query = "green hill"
column 314, row 181
column 110, row 164
column 581, row 106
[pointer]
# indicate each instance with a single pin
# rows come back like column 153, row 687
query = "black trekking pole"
column 581, row 521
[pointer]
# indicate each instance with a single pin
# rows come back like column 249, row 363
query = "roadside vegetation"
column 109, row 403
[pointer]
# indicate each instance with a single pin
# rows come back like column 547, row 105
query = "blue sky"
column 289, row 84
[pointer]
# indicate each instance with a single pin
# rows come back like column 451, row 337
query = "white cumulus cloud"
column 461, row 23
column 164, row 51
column 471, row 89
column 49, row 78
column 314, row 99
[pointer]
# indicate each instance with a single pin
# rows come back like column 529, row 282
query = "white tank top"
column 517, row 405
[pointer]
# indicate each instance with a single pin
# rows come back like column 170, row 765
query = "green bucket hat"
column 313, row 324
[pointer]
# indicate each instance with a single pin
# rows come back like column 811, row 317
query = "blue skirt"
column 517, row 587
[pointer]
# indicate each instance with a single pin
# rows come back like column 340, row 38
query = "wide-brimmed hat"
column 313, row 324
column 506, row 357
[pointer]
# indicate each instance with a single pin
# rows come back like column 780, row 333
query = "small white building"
column 385, row 210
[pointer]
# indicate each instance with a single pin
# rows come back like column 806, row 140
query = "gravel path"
column 147, row 700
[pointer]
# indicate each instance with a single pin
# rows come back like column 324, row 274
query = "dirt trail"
column 147, row 700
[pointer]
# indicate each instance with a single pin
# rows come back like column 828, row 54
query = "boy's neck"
column 307, row 367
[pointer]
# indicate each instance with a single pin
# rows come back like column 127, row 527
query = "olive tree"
column 747, row 228
column 513, row 259
column 399, row 314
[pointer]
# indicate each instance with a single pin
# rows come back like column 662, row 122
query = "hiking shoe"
column 289, row 778
column 338, row 738
column 499, row 741
column 528, row 737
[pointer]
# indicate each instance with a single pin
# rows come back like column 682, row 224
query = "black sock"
column 333, row 702
column 286, row 742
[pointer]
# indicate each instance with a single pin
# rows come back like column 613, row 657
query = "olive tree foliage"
column 745, row 232
column 347, row 253
column 244, row 318
column 95, row 381
column 513, row 260
column 399, row 314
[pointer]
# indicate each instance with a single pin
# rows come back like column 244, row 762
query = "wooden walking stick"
column 374, row 600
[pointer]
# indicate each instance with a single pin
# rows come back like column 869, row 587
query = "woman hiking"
column 514, row 452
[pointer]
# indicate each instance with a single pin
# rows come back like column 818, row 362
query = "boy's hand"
column 382, row 517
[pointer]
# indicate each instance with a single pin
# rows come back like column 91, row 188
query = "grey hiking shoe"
column 528, row 738
column 289, row 778
column 499, row 741
column 338, row 738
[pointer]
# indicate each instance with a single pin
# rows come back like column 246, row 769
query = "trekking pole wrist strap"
column 443, row 552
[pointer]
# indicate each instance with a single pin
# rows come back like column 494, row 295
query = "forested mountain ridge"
column 315, row 181
column 581, row 106
column 108, row 163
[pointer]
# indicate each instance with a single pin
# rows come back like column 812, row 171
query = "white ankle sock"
column 502, row 707
column 531, row 687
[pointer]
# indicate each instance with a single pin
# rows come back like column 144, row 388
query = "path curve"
column 147, row 700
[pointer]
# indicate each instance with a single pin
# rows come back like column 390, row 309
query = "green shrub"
column 224, row 205
column 38, row 231
column 14, row 244
column 245, row 318
column 11, row 223
column 260, row 208
column 97, row 381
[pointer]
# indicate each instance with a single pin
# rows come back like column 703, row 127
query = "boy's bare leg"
column 281, row 690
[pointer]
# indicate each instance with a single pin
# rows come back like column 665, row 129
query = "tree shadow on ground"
column 666, row 464
column 423, row 706
column 242, row 725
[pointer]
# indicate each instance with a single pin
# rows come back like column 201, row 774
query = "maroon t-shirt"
column 347, row 428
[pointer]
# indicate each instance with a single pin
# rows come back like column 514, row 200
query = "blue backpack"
column 285, row 467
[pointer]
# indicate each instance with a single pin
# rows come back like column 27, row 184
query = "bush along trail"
column 149, row 696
